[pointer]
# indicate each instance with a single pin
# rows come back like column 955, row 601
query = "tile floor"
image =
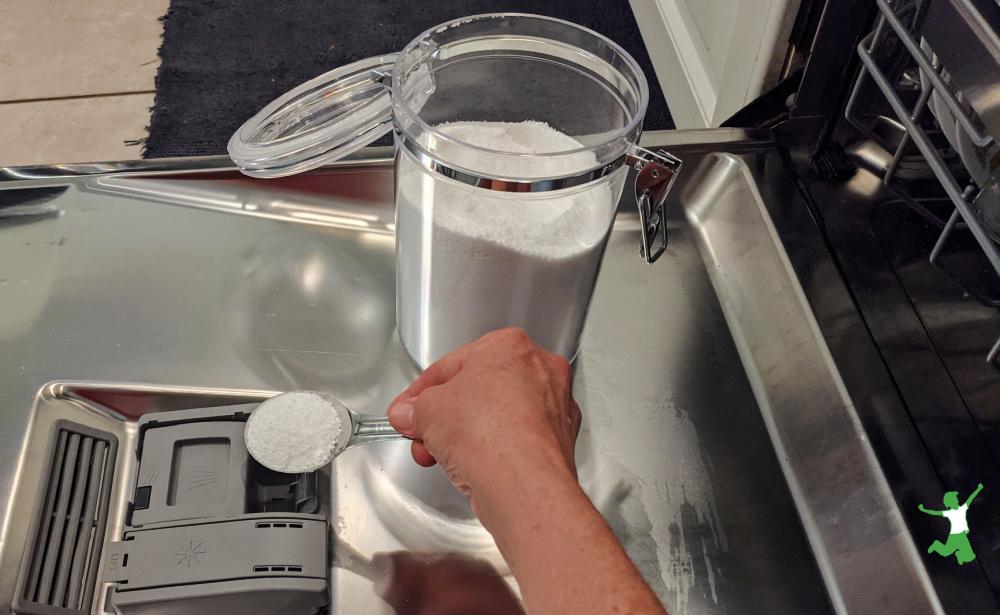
column 76, row 78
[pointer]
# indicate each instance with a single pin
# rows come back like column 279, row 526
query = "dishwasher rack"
column 890, row 22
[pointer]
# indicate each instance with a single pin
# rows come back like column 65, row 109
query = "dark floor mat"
column 222, row 60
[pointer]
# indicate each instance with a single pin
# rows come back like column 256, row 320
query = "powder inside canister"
column 471, row 260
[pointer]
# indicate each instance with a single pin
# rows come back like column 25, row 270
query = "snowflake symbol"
column 189, row 554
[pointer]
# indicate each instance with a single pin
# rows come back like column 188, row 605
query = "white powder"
column 295, row 432
column 471, row 260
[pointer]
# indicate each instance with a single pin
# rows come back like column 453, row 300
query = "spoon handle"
column 369, row 428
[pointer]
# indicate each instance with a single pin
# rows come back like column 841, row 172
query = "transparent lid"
column 323, row 119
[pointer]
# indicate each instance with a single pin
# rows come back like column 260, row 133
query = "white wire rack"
column 889, row 23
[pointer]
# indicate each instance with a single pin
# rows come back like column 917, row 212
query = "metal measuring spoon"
column 302, row 431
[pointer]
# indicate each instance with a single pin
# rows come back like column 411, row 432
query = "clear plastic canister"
column 510, row 133
column 514, row 134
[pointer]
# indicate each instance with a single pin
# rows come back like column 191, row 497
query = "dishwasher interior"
column 902, row 180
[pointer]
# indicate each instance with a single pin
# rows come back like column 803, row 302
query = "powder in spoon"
column 294, row 432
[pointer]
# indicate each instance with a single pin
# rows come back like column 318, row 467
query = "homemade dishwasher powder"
column 472, row 260
column 294, row 432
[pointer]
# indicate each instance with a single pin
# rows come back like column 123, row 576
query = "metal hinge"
column 655, row 175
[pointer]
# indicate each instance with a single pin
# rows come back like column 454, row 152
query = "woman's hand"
column 499, row 417
column 495, row 412
column 442, row 584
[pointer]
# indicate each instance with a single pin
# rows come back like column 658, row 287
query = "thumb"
column 401, row 418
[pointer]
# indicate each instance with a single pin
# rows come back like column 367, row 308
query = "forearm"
column 561, row 551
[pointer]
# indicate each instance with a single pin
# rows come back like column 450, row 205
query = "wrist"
column 500, row 483
column 510, row 501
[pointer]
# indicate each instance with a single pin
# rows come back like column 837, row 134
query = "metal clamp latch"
column 655, row 175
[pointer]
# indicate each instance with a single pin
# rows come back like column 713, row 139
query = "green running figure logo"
column 958, row 538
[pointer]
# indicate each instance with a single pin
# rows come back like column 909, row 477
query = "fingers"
column 437, row 395
column 401, row 417
column 421, row 455
column 421, row 423
column 562, row 370
column 402, row 413
column 445, row 368
column 411, row 417
column 401, row 409
column 576, row 418
column 440, row 372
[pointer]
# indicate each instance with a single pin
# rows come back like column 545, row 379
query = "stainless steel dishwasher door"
column 238, row 288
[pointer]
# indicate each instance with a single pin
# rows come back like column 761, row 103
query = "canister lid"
column 322, row 120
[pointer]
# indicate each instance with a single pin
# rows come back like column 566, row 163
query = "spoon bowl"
column 302, row 431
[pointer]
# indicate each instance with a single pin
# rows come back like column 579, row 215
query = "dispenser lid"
column 324, row 119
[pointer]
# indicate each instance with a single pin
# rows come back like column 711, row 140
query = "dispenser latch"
column 655, row 175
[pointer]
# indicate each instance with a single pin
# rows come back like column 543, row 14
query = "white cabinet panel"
column 713, row 56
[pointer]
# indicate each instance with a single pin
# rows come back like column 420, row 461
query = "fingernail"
column 401, row 416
